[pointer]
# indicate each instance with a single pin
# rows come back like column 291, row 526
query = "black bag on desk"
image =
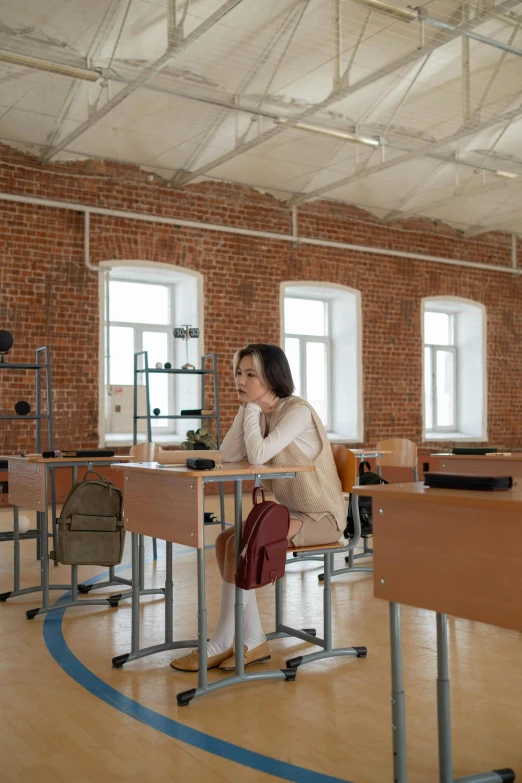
column 466, row 481
column 365, row 502
column 90, row 527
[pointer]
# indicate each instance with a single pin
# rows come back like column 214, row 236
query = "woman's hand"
column 268, row 402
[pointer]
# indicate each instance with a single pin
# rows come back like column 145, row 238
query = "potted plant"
column 199, row 439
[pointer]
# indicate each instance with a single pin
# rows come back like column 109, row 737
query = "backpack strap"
column 104, row 479
column 362, row 466
column 254, row 494
column 95, row 473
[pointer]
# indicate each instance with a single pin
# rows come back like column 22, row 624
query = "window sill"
column 334, row 437
column 450, row 436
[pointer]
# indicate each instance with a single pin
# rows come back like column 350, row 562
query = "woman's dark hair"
column 271, row 365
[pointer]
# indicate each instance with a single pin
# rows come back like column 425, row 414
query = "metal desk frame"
column 43, row 535
column 204, row 687
column 392, row 580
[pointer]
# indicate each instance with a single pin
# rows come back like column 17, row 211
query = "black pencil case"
column 200, row 464
column 467, row 481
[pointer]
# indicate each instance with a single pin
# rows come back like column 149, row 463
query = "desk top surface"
column 417, row 492
column 62, row 460
column 227, row 469
column 497, row 457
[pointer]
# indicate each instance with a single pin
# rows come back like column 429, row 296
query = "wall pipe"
column 144, row 217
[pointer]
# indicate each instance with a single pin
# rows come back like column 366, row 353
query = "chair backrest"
column 346, row 464
column 403, row 453
column 144, row 452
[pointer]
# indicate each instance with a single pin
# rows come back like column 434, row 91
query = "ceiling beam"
column 172, row 50
column 347, row 89
column 424, row 150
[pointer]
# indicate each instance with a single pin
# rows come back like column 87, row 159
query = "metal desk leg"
column 53, row 512
column 239, row 629
column 142, row 562
column 443, row 702
column 444, row 719
column 135, row 639
column 141, row 652
column 16, row 550
column 38, row 538
column 222, row 506
column 400, row 768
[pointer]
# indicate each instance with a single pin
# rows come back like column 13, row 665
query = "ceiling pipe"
column 200, row 226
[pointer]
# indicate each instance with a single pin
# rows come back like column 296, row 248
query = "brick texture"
column 48, row 297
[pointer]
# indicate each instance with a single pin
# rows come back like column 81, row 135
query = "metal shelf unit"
column 38, row 366
column 147, row 371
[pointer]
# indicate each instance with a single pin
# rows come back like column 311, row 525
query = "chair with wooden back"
column 346, row 464
column 398, row 453
column 144, row 452
column 346, row 468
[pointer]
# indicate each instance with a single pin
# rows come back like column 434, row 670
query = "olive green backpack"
column 90, row 527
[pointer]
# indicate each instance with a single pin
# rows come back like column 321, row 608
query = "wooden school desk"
column 167, row 502
column 485, row 464
column 419, row 537
column 29, row 488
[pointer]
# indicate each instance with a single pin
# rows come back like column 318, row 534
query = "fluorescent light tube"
column 43, row 65
column 507, row 174
column 370, row 141
column 406, row 14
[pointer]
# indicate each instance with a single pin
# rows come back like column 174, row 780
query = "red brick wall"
column 48, row 297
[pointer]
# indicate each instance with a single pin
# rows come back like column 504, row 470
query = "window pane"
column 139, row 303
column 428, row 390
column 444, row 382
column 292, row 354
column 438, row 328
column 316, row 379
column 121, row 359
column 306, row 316
column 156, row 343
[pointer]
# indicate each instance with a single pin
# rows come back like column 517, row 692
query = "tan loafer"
column 190, row 662
column 259, row 654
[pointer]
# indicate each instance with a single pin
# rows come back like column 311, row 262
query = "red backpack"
column 263, row 556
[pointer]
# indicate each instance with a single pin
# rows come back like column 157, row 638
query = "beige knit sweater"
column 317, row 493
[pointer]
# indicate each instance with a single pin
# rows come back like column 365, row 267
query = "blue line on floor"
column 63, row 655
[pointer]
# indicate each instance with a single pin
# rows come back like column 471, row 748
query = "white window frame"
column 187, row 307
column 471, row 388
column 434, row 349
column 345, row 331
column 309, row 338
column 139, row 328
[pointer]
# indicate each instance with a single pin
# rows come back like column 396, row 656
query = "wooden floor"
column 334, row 720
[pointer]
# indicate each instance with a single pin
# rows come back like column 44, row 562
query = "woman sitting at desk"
column 277, row 428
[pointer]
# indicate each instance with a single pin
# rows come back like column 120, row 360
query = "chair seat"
column 316, row 547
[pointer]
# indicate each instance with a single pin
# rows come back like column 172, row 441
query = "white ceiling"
column 195, row 89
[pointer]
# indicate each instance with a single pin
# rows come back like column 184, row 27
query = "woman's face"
column 248, row 384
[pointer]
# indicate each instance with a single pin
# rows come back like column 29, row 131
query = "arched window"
column 454, row 339
column 141, row 303
column 321, row 335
